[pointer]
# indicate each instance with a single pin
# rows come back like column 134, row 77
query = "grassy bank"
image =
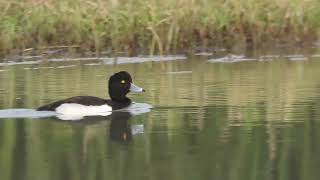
column 153, row 26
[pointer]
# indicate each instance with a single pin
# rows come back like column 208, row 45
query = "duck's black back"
column 87, row 101
column 83, row 100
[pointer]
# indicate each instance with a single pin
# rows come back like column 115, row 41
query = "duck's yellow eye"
column 123, row 81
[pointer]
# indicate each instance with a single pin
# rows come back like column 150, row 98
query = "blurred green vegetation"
column 153, row 26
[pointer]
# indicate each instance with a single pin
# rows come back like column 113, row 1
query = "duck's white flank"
column 82, row 110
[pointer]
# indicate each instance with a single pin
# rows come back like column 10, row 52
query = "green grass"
column 153, row 26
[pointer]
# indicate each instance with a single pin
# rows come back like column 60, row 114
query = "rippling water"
column 253, row 117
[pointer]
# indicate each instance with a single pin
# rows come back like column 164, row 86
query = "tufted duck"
column 120, row 84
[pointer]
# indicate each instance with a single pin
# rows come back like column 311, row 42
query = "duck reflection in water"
column 118, row 121
column 120, row 128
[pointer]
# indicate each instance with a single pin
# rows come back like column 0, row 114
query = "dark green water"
column 224, row 121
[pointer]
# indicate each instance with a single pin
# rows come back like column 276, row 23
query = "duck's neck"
column 121, row 100
column 120, row 103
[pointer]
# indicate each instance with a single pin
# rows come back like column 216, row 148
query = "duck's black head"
column 120, row 84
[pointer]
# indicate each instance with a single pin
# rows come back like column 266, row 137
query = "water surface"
column 245, row 117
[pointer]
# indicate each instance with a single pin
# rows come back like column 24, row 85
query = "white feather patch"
column 82, row 110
